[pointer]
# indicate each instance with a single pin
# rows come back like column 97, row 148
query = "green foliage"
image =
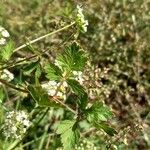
column 1, row 113
column 39, row 71
column 53, row 72
column 41, row 97
column 6, row 51
column 27, row 70
column 98, row 112
column 64, row 126
column 82, row 100
column 72, row 59
column 2, row 96
column 75, row 87
column 110, row 131
column 69, row 134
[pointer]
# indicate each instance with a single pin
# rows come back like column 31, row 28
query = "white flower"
column 2, row 41
column 52, row 86
column 53, row 83
column 26, row 123
column 14, row 129
column 77, row 73
column 79, row 9
column 16, row 124
column 82, row 23
column 78, row 76
column 51, row 92
column 56, row 63
column 7, row 75
column 64, row 84
column 21, row 116
column 5, row 33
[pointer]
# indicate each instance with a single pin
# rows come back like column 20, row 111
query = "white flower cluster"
column 85, row 145
column 78, row 76
column 52, row 86
column 16, row 124
column 6, row 75
column 3, row 35
column 81, row 20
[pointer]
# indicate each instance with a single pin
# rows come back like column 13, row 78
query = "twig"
column 18, row 62
column 42, row 37
column 12, row 86
column 66, row 106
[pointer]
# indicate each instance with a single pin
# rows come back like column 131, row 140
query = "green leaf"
column 7, row 51
column 109, row 130
column 41, row 97
column 69, row 139
column 1, row 113
column 27, row 70
column 82, row 100
column 69, row 134
column 64, row 126
column 38, row 71
column 72, row 59
column 2, row 96
column 98, row 112
column 76, row 87
column 53, row 72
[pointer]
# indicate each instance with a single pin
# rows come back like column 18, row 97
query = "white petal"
column 2, row 41
column 5, row 33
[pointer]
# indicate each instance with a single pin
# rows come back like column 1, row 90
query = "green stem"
column 17, row 62
column 44, row 36
column 12, row 86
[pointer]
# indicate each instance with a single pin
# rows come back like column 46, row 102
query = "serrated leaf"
column 82, row 100
column 64, row 126
column 98, row 112
column 76, row 87
column 72, row 59
column 69, row 139
column 27, row 70
column 53, row 72
column 69, row 134
column 109, row 130
column 7, row 51
column 41, row 97
column 38, row 71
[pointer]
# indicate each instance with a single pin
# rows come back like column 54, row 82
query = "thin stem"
column 18, row 62
column 35, row 140
column 44, row 36
column 63, row 104
column 41, row 118
column 12, row 86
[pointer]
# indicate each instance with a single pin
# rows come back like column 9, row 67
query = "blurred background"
column 118, row 45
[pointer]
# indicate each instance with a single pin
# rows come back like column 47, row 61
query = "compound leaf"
column 75, row 87
column 41, row 97
column 7, row 51
column 69, row 134
column 53, row 72
column 72, row 59
column 98, row 112
column 64, row 126
column 109, row 130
